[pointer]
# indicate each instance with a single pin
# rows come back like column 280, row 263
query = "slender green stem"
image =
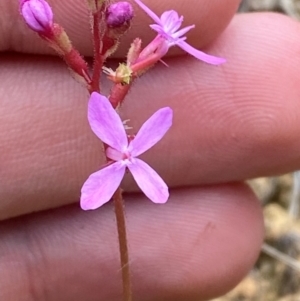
column 121, row 225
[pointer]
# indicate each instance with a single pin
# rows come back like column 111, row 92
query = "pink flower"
column 168, row 31
column 107, row 125
column 37, row 14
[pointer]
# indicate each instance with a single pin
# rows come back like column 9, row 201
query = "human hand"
column 231, row 122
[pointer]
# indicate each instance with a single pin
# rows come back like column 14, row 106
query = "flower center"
column 116, row 155
column 127, row 155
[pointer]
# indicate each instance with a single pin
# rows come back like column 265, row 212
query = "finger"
column 210, row 18
column 230, row 122
column 197, row 246
column 238, row 121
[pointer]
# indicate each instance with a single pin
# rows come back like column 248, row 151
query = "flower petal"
column 105, row 122
column 177, row 24
column 101, row 185
column 151, row 131
column 182, row 31
column 149, row 181
column 213, row 60
column 171, row 21
column 148, row 11
column 158, row 29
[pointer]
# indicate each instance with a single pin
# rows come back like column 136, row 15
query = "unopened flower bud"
column 119, row 14
column 37, row 14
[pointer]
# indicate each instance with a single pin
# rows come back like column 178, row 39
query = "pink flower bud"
column 37, row 14
column 119, row 14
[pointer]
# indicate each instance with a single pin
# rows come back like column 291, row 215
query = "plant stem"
column 97, row 52
column 121, row 225
column 118, row 93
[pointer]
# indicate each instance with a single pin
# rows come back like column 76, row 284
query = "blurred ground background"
column 276, row 276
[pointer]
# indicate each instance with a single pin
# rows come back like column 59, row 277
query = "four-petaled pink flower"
column 169, row 35
column 108, row 126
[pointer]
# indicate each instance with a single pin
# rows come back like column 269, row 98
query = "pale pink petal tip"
column 210, row 59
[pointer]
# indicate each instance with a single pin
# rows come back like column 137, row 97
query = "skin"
column 231, row 123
